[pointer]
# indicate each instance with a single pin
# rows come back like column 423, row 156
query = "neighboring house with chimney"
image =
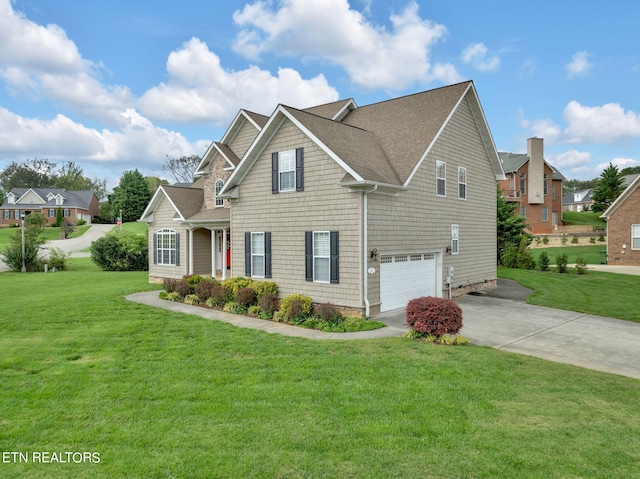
column 365, row 207
column 623, row 227
column 74, row 205
column 534, row 185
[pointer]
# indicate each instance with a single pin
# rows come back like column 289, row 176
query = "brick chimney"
column 535, row 176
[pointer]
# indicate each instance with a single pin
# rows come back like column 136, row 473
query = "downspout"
column 365, row 248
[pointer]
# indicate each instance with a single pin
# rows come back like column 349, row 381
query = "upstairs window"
column 218, row 189
column 441, row 178
column 455, row 230
column 59, row 200
column 462, row 183
column 546, row 184
column 523, row 184
column 287, row 171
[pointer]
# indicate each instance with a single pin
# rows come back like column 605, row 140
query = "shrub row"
column 260, row 299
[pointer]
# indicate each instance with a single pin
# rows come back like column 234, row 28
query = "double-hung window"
column 545, row 213
column 462, row 183
column 635, row 236
column 16, row 214
column 523, row 184
column 167, row 247
column 287, row 171
column 455, row 232
column 218, row 188
column 441, row 178
column 66, row 213
column 257, row 254
column 321, row 256
column 546, row 184
column 7, row 214
column 52, row 213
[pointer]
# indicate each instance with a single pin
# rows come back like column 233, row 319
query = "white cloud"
column 621, row 163
column 199, row 89
column 609, row 123
column 330, row 30
column 476, row 55
column 579, row 65
column 572, row 163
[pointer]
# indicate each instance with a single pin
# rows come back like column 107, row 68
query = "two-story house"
column 365, row 207
column 535, row 185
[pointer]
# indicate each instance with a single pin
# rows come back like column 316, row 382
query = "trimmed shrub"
column 264, row 287
column 234, row 284
column 269, row 303
column 437, row 316
column 561, row 263
column 81, row 222
column 245, row 297
column 183, row 288
column 563, row 240
column 295, row 306
column 169, row 284
column 219, row 295
column 193, row 280
column 574, row 240
column 545, row 240
column 592, row 240
column 327, row 312
column 581, row 266
column 525, row 258
column 509, row 256
column 254, row 310
column 121, row 251
column 204, row 289
column 601, row 238
column 543, row 261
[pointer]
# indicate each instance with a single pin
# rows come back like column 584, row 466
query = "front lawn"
column 162, row 394
column 136, row 227
column 580, row 218
column 591, row 254
column 602, row 294
column 49, row 233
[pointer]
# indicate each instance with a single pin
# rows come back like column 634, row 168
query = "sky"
column 116, row 85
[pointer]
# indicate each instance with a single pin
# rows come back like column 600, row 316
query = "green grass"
column 136, row 227
column 602, row 294
column 578, row 218
column 48, row 233
column 161, row 394
column 590, row 254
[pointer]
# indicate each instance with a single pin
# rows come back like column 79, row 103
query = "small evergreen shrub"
column 574, row 240
column 581, row 266
column 264, row 287
column 525, row 258
column 509, row 256
column 121, row 251
column 592, row 240
column 81, row 222
column 436, row 316
column 564, row 239
column 538, row 241
column 245, row 297
column 545, row 240
column 543, row 261
column 561, row 263
column 269, row 303
column 601, row 238
column 193, row 280
column 295, row 306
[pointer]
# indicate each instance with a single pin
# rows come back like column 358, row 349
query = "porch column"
column 213, row 253
column 224, row 253
column 190, row 233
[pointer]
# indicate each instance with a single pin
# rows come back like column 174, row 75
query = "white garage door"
column 404, row 277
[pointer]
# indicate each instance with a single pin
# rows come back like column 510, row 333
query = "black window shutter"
column 155, row 248
column 308, row 255
column 177, row 249
column 275, row 188
column 299, row 169
column 267, row 255
column 247, row 254
column 333, row 251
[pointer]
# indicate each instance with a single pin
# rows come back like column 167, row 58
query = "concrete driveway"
column 501, row 319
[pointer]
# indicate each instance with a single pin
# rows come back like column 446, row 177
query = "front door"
column 219, row 249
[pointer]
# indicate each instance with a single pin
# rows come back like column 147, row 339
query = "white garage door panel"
column 404, row 277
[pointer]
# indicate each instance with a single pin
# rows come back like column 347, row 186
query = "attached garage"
column 407, row 276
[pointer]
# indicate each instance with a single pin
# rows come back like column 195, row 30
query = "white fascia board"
column 620, row 199
column 205, row 160
column 350, row 105
column 155, row 201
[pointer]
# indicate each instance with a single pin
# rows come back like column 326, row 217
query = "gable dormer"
column 11, row 199
column 50, row 196
column 59, row 199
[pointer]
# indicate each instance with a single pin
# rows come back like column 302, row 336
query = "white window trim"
column 257, row 255
column 327, row 257
column 443, row 178
column 636, row 236
column 162, row 237
column 218, row 201
column 462, row 171
column 455, row 239
column 7, row 214
column 292, row 170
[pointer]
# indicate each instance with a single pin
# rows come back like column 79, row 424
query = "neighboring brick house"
column 363, row 207
column 535, row 186
column 74, row 205
column 623, row 227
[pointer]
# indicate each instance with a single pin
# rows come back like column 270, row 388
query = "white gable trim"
column 349, row 106
column 622, row 198
column 147, row 215
column 26, row 193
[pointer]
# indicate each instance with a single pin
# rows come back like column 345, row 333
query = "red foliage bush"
column 245, row 297
column 219, row 294
column 204, row 290
column 435, row 316
column 183, row 288
column 269, row 303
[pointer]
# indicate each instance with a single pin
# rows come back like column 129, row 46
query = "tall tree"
column 153, row 182
column 30, row 174
column 630, row 170
column 131, row 196
column 510, row 226
column 608, row 188
column 182, row 169
column 576, row 185
column 71, row 177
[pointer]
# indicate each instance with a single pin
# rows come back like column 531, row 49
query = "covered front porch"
column 209, row 247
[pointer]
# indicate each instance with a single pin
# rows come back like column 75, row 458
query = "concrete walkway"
column 499, row 318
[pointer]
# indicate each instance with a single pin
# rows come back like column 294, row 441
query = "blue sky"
column 116, row 85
